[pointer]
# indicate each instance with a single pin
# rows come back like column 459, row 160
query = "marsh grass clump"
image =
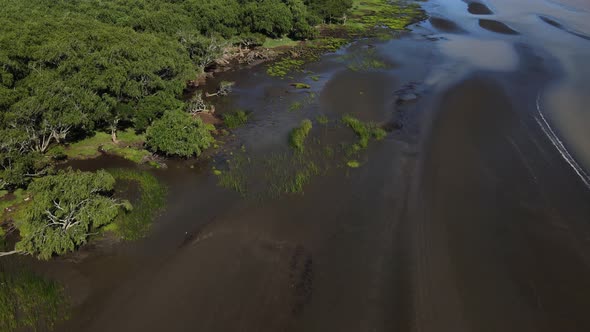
column 353, row 164
column 301, row 85
column 30, row 302
column 135, row 223
column 284, row 66
column 364, row 132
column 234, row 177
column 299, row 134
column 322, row 119
column 235, row 119
column 294, row 182
column 295, row 106
column 364, row 60
column 370, row 14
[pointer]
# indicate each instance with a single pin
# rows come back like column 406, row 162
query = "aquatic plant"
column 299, row 134
column 364, row 131
column 295, row 106
column 235, row 119
column 284, row 66
column 322, row 119
column 135, row 223
column 397, row 15
column 28, row 301
column 364, row 60
column 301, row 85
column 353, row 164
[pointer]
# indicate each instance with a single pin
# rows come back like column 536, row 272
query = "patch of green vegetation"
column 135, row 224
column 11, row 205
column 329, row 152
column 364, row 131
column 129, row 146
column 379, row 133
column 322, row 119
column 293, row 182
column 299, row 134
column 284, row 66
column 279, row 42
column 308, row 52
column 235, row 119
column 234, row 177
column 295, row 106
column 301, row 85
column 364, row 60
column 315, row 78
column 327, row 45
column 28, row 301
column 10, row 201
column 179, row 134
column 396, row 15
column 353, row 164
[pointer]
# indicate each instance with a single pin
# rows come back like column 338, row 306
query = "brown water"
column 472, row 216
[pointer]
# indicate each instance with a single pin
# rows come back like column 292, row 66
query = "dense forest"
column 75, row 71
column 72, row 67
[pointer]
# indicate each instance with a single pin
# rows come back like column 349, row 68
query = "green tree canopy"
column 66, row 209
column 179, row 134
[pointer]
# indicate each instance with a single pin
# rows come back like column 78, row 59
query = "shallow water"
column 471, row 216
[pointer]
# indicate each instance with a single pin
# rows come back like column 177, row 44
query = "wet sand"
column 467, row 217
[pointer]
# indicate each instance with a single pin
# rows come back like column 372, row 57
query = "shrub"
column 179, row 134
column 66, row 209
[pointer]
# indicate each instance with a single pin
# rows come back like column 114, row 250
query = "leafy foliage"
column 67, row 208
column 179, row 134
column 69, row 68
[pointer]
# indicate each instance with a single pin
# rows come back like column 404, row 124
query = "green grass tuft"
column 353, row 164
column 322, row 119
column 295, row 106
column 364, row 131
column 235, row 119
column 29, row 302
column 301, row 86
column 283, row 67
column 299, row 134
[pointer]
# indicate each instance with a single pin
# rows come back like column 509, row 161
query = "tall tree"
column 66, row 209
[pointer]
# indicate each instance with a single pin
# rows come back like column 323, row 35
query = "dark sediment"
column 477, row 8
column 497, row 27
column 445, row 25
